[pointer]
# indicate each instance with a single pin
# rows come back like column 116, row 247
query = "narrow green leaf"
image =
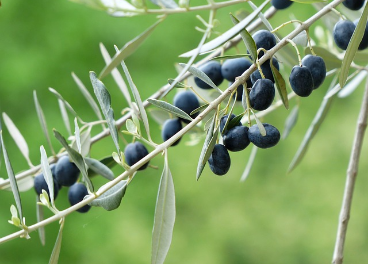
column 353, row 46
column 199, row 109
column 76, row 158
column 250, row 162
column 127, row 50
column 202, row 161
column 263, row 19
column 47, row 174
column 138, row 100
column 131, row 127
column 24, row 184
column 247, row 38
column 170, row 108
column 177, row 85
column 111, row 199
column 41, row 118
column 225, row 57
column 67, row 105
column 228, row 34
column 330, row 59
column 301, row 39
column 210, row 147
column 88, row 96
column 18, row 138
column 160, row 116
column 280, row 85
column 116, row 75
column 13, row 182
column 104, row 99
column 56, row 250
column 235, row 121
column 352, row 85
column 164, row 216
column 40, row 217
column 291, row 121
column 77, row 136
column 65, row 117
column 201, row 75
column 312, row 130
column 107, row 161
column 261, row 128
column 85, row 141
column 99, row 168
column 165, row 3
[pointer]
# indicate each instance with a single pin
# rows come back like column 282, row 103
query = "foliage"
column 136, row 118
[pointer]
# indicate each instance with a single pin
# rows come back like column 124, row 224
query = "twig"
column 351, row 174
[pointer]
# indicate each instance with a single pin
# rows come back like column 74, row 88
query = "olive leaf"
column 164, row 216
column 177, row 84
column 110, row 199
column 201, row 75
column 280, row 85
column 47, row 174
column 104, row 99
column 137, row 99
column 202, row 161
column 116, row 75
column 87, row 95
column 56, row 250
column 352, row 85
column 170, row 108
column 41, row 118
column 127, row 50
column 18, row 138
column 312, row 130
column 99, row 168
column 249, row 163
column 77, row 158
column 160, row 116
column 65, row 117
column 291, row 121
column 165, row 3
column 40, row 217
column 353, row 46
column 13, row 181
column 247, row 38
column 228, row 34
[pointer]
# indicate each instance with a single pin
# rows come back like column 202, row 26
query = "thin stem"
column 297, row 51
column 351, row 175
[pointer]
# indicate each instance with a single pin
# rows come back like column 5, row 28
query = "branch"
column 351, row 174
column 161, row 92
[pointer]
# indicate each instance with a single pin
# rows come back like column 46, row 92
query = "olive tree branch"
column 163, row 147
column 351, row 175
column 159, row 94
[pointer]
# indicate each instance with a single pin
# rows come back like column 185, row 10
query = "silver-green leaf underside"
column 165, row 3
column 250, row 162
column 164, row 216
column 47, row 174
column 170, row 108
column 202, row 161
column 104, row 99
column 13, row 182
column 18, row 138
column 137, row 99
column 99, row 168
column 56, row 250
column 111, row 199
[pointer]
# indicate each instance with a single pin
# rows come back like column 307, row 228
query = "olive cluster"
column 64, row 173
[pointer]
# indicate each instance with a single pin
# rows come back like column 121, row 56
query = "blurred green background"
column 272, row 217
